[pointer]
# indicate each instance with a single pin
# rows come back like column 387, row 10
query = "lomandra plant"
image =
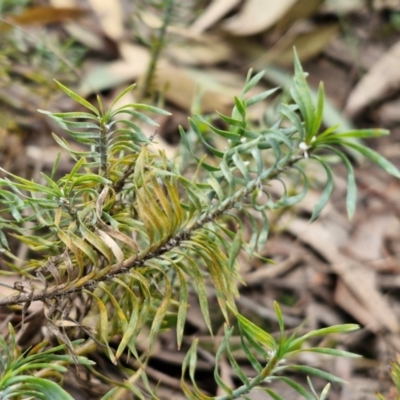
column 124, row 238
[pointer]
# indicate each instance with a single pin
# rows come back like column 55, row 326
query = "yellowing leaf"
column 43, row 15
column 103, row 326
column 110, row 242
column 99, row 244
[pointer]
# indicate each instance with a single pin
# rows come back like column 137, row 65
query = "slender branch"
column 156, row 49
column 121, row 181
column 103, row 150
column 260, row 378
column 139, row 261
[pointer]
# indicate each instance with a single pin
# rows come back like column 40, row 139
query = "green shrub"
column 127, row 235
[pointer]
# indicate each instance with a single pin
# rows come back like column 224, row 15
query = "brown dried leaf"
column 309, row 42
column 210, row 50
column 390, row 4
column 344, row 6
column 87, row 31
column 181, row 85
column 110, row 16
column 257, row 16
column 367, row 241
column 380, row 81
column 346, row 299
column 44, row 15
column 109, row 75
column 361, row 282
column 301, row 10
column 216, row 10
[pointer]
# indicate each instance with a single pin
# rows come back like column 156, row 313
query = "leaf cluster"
column 125, row 237
column 17, row 371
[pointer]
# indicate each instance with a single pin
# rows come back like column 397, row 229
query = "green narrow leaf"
column 217, row 264
column 146, row 107
column 160, row 194
column 185, row 141
column 279, row 315
column 161, row 310
column 327, row 133
column 200, row 287
column 120, row 314
column 46, row 387
column 252, row 81
column 173, row 193
column 351, row 198
column 263, row 233
column 328, row 351
column 110, row 394
column 374, row 157
column 242, row 376
column 326, row 193
column 82, row 245
column 302, row 96
column 183, row 306
column 240, row 107
column 294, row 119
column 219, row 354
column 316, row 372
column 263, row 337
column 322, row 332
column 256, row 153
column 78, row 98
column 274, row 395
column 183, row 301
column 311, row 386
column 235, row 246
column 196, row 130
column 241, row 166
column 3, row 240
column 228, row 176
column 230, row 121
column 96, row 242
column 320, row 109
column 215, row 185
column 260, row 97
column 363, row 133
column 70, row 115
column 135, row 114
column 130, row 329
column 298, row 388
column 249, row 354
column 289, row 201
column 122, row 94
column 325, row 392
column 185, row 364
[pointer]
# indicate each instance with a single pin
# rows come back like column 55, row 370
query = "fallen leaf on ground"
column 84, row 31
column 110, row 16
column 382, row 79
column 216, row 10
column 256, row 16
column 43, row 15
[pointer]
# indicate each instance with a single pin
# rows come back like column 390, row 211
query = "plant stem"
column 158, row 44
column 137, row 261
column 103, row 150
column 265, row 373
